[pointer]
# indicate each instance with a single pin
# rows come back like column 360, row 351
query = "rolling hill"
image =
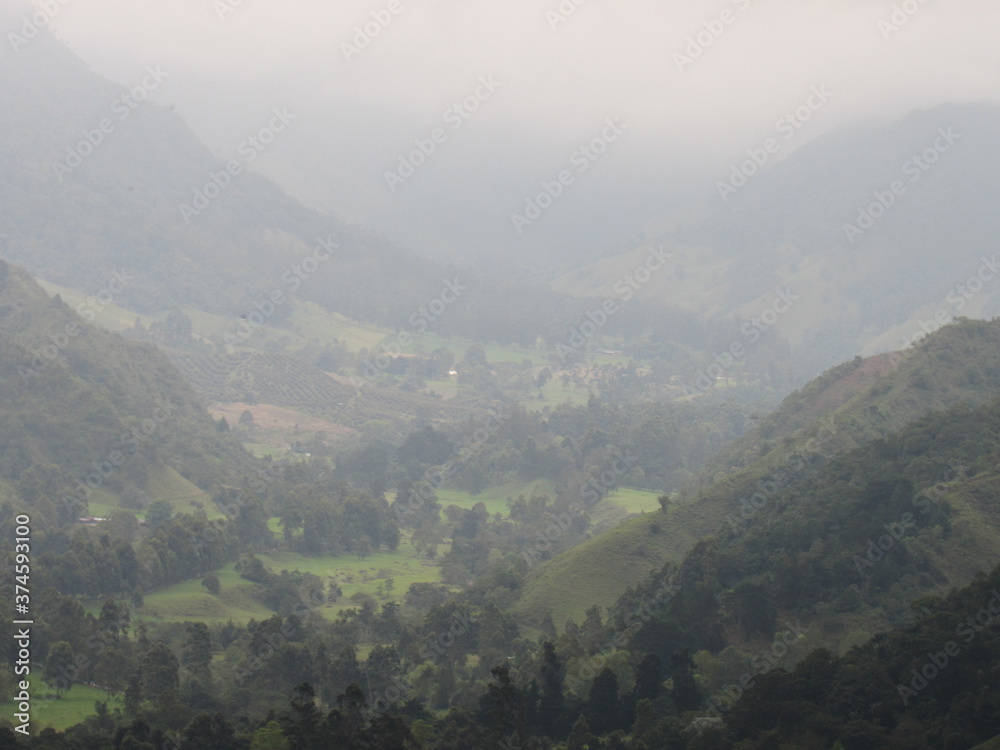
column 845, row 409
column 86, row 411
column 929, row 254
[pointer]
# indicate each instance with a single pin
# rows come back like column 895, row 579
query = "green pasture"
column 191, row 601
column 494, row 498
column 47, row 711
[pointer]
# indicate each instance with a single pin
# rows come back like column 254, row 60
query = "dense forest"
column 695, row 656
column 272, row 478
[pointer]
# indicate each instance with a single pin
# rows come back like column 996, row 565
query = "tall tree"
column 60, row 668
column 160, row 672
column 580, row 737
column 112, row 670
column 196, row 653
column 603, row 709
column 552, row 703
column 685, row 692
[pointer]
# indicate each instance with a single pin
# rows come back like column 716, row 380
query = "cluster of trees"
column 657, row 445
column 933, row 684
column 193, row 686
column 447, row 669
column 117, row 558
column 315, row 523
column 864, row 534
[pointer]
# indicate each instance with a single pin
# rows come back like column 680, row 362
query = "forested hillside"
column 97, row 410
column 847, row 407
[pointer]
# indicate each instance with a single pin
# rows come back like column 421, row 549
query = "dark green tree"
column 603, row 709
column 580, row 736
column 212, row 584
column 552, row 702
column 60, row 668
column 160, row 671
column 112, row 670
column 685, row 691
column 196, row 653
column 159, row 512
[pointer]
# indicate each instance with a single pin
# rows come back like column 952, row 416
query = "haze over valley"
column 457, row 375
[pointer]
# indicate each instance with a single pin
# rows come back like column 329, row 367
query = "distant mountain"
column 870, row 266
column 84, row 412
column 100, row 181
column 97, row 181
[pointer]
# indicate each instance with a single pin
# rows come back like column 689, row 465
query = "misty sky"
column 555, row 89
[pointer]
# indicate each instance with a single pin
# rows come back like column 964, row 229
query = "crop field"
column 634, row 500
column 191, row 601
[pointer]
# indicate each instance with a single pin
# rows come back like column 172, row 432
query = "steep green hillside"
column 94, row 411
column 930, row 685
column 843, row 553
column 847, row 407
column 868, row 398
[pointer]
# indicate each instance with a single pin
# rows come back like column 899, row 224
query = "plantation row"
column 284, row 380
